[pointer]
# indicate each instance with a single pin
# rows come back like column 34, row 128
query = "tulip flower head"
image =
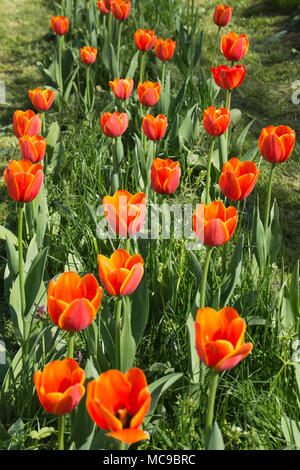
column 107, row 4
column 122, row 88
column 60, row 25
column 165, row 175
column 124, row 212
column 216, row 121
column 102, row 8
column 41, row 99
column 155, row 128
column 23, row 179
column 144, row 39
column 238, row 179
column 33, row 148
column 118, row 403
column 60, row 386
column 121, row 273
column 229, row 78
column 164, row 50
column 26, row 122
column 220, row 338
column 120, row 9
column 73, row 301
column 149, row 93
column 222, row 15
column 276, row 143
column 214, row 225
column 234, row 47
column 88, row 55
column 114, row 124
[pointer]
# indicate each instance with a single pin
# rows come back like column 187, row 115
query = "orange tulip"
column 124, row 212
column 108, row 3
column 119, row 402
column 214, row 225
column 26, row 122
column 122, row 88
column 23, row 179
column 121, row 273
column 120, row 9
column 60, row 386
column 41, row 99
column 149, row 93
column 60, row 25
column 102, row 8
column 238, row 179
column 234, row 47
column 114, row 124
column 155, row 128
column 229, row 78
column 276, row 143
column 222, row 15
column 216, row 121
column 144, row 39
column 88, row 55
column 165, row 175
column 33, row 148
column 220, row 338
column 164, row 50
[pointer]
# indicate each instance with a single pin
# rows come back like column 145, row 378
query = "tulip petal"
column 132, row 280
column 69, row 400
column 78, row 315
column 233, row 359
column 130, row 436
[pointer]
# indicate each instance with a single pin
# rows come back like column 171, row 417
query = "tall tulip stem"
column 143, row 13
column 227, row 105
column 142, row 69
column 60, row 43
column 163, row 75
column 71, row 344
column 204, row 276
column 61, row 432
column 20, row 246
column 118, row 332
column 88, row 87
column 208, row 172
column 211, row 403
column 267, row 214
column 119, row 44
column 115, row 175
column 213, row 62
column 109, row 27
column 62, row 7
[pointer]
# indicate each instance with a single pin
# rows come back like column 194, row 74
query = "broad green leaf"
column 34, row 278
column 53, row 134
column 291, row 431
column 237, row 149
column 194, row 362
column 233, row 273
column 139, row 309
column 294, row 291
column 273, row 234
column 215, row 439
column 127, row 343
column 12, row 258
column 5, row 233
column 133, row 65
column 223, row 155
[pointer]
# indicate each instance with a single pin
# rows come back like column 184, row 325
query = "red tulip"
column 149, row 93
column 164, row 50
column 222, row 15
column 276, row 143
column 124, row 212
column 33, row 148
column 41, row 99
column 216, row 121
column 23, row 180
column 88, row 55
column 165, row 175
column 234, row 47
column 102, row 8
column 122, row 88
column 144, row 39
column 60, row 25
column 120, row 9
column 155, row 128
column 238, row 179
column 214, row 225
column 107, row 4
column 26, row 122
column 114, row 124
column 229, row 78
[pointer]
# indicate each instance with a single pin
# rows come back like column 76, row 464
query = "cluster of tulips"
column 119, row 401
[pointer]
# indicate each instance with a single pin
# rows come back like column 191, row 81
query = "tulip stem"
column 163, row 76
column 211, row 403
column 213, row 64
column 62, row 7
column 118, row 332
column 267, row 214
column 240, row 216
column 143, row 13
column 20, row 245
column 115, row 176
column 119, row 46
column 88, row 88
column 109, row 27
column 227, row 105
column 61, row 431
column 207, row 198
column 60, row 39
column 204, row 276
column 142, row 69
column 187, row 15
column 71, row 344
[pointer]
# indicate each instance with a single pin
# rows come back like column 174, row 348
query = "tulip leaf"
column 291, row 431
column 140, row 309
column 233, row 273
column 194, row 362
column 16, row 311
column 5, row 233
column 53, row 134
column 127, row 343
column 237, row 148
column 294, row 292
column 215, row 439
column 34, row 278
column 223, row 152
column 258, row 238
column 250, row 154
column 273, row 234
column 133, row 65
column 12, row 258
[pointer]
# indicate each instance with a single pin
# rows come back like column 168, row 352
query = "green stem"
column 127, row 245
column 240, row 216
column 208, row 172
column 142, row 69
column 115, row 176
column 227, row 105
column 118, row 332
column 88, row 87
column 62, row 7
column 60, row 39
column 143, row 13
column 163, row 76
column 213, row 62
column 61, row 431
column 224, row 258
column 204, row 276
column 71, row 344
column 109, row 27
column 119, row 45
column 211, row 403
column 20, row 245
column 267, row 213
column 187, row 15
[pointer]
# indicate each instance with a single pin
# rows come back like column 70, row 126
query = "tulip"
column 102, row 8
column 222, row 15
column 220, row 338
column 144, row 39
column 88, row 55
column 213, row 224
column 216, row 121
column 234, row 47
column 33, row 148
column 122, row 88
column 164, row 50
column 60, row 25
column 276, row 143
column 26, row 122
column 121, row 273
column 73, row 302
column 149, row 93
column 41, row 99
column 238, row 179
column 229, row 78
column 107, row 4
column 165, row 175
column 154, row 128
column 114, row 124
column 118, row 403
column 124, row 212
column 120, row 9
column 23, row 179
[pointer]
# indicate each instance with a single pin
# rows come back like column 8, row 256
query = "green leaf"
column 133, row 65
column 5, row 233
column 127, row 343
column 237, row 149
column 53, row 134
column 139, row 309
column 223, row 156
column 294, row 292
column 34, row 278
column 194, row 362
column 291, row 431
column 233, row 273
column 215, row 439
column 12, row 258
column 250, row 154
column 273, row 234
column 258, row 238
